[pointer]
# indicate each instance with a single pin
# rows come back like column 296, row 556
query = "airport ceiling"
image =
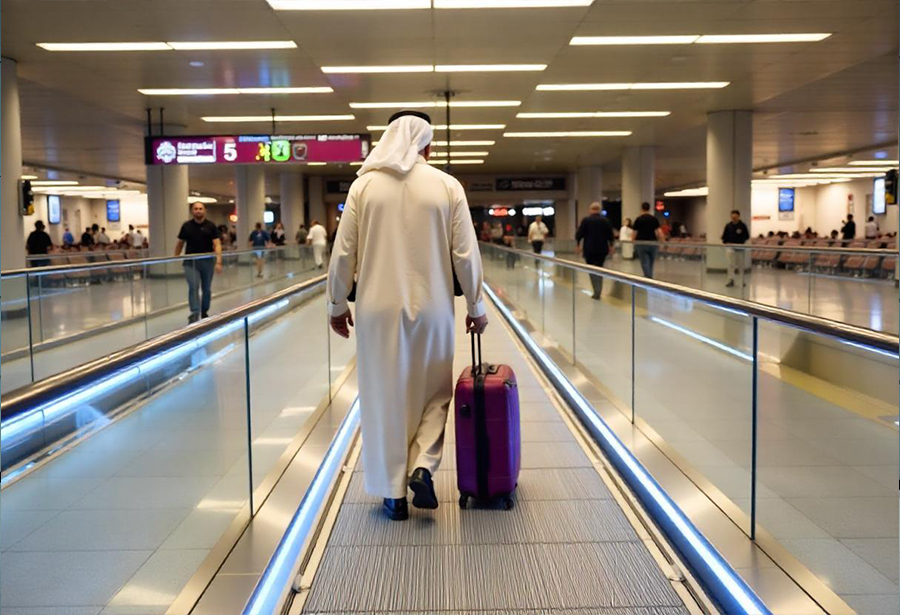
column 82, row 110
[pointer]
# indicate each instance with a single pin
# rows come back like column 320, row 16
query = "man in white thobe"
column 405, row 230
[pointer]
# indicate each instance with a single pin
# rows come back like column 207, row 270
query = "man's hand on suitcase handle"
column 476, row 325
column 339, row 324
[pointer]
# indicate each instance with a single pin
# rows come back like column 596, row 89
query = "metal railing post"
column 574, row 290
column 28, row 313
column 755, row 427
column 249, row 413
column 633, row 351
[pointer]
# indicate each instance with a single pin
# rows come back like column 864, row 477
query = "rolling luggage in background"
column 488, row 435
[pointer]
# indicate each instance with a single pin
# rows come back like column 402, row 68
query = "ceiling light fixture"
column 508, row 4
column 463, row 161
column 278, row 118
column 702, row 191
column 218, row 45
column 54, row 182
column 881, row 169
column 463, row 143
column 460, row 154
column 874, row 163
column 220, row 91
column 580, row 87
column 347, row 5
column 811, row 37
column 28, row 177
column 148, row 46
column 316, row 164
column 435, row 104
column 570, row 133
column 488, row 68
column 634, row 40
column 453, row 127
column 592, row 114
column 410, row 68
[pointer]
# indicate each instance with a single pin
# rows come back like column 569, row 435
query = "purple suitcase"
column 488, row 436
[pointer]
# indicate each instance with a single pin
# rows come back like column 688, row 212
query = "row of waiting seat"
column 776, row 252
column 87, row 276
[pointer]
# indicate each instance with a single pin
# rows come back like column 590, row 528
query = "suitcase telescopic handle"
column 476, row 366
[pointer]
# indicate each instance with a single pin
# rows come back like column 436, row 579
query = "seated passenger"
column 406, row 229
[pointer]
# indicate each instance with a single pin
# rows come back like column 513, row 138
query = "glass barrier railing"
column 58, row 317
column 133, row 470
column 853, row 283
column 789, row 423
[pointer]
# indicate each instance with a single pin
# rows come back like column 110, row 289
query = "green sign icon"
column 281, row 151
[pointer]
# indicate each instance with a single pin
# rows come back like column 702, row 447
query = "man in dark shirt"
column 598, row 236
column 201, row 237
column 848, row 231
column 39, row 242
column 260, row 240
column 87, row 239
column 735, row 233
column 646, row 228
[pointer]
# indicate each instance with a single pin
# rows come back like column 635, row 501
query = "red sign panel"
column 257, row 149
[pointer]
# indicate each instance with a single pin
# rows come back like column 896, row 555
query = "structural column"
column 292, row 203
column 590, row 188
column 249, row 198
column 729, row 167
column 167, row 205
column 637, row 180
column 317, row 209
column 13, row 242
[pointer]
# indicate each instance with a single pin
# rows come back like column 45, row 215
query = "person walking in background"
column 39, row 243
column 224, row 237
column 137, row 239
column 68, row 238
column 301, row 235
column 871, row 228
column 201, row 237
column 598, row 236
column 537, row 231
column 279, row 238
column 646, row 228
column 848, row 231
column 735, row 233
column 406, row 229
column 626, row 237
column 259, row 241
column 318, row 239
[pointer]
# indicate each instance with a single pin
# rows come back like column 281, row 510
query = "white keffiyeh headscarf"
column 399, row 146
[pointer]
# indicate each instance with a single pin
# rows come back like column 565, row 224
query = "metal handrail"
column 813, row 324
column 125, row 263
column 24, row 398
column 760, row 246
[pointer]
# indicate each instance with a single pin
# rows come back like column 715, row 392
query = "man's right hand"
column 476, row 325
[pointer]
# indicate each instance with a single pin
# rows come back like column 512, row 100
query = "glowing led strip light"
column 23, row 425
column 736, row 588
column 276, row 577
column 704, row 339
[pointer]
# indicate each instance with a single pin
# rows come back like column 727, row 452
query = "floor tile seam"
column 26, row 536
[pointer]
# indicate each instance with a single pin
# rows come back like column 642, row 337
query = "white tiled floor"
column 826, row 476
column 120, row 523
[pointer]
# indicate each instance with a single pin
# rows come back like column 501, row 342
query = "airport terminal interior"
column 686, row 214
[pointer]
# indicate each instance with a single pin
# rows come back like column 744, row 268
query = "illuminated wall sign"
column 113, row 211
column 256, row 149
column 53, row 208
column 505, row 184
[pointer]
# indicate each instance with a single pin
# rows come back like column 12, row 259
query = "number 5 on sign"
column 230, row 152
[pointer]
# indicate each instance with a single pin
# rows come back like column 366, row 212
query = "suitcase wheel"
column 463, row 501
column 508, row 503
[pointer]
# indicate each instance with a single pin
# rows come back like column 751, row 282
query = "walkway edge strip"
column 718, row 578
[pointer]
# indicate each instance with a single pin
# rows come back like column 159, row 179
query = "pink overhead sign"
column 257, row 149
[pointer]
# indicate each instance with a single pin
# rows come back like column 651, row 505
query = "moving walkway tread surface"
column 566, row 547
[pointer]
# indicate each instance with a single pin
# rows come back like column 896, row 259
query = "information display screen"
column 878, row 203
column 113, row 211
column 257, row 149
column 785, row 199
column 53, row 208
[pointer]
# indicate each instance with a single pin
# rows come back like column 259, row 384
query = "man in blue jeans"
column 201, row 237
column 646, row 228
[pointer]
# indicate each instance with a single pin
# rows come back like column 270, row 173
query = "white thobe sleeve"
column 342, row 267
column 464, row 252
